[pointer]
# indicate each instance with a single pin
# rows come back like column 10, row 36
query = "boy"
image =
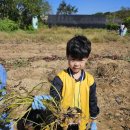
column 77, row 87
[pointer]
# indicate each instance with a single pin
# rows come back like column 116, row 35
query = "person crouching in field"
column 76, row 87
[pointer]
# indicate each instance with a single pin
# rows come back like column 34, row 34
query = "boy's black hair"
column 78, row 47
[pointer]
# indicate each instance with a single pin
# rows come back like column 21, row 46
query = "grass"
column 20, row 63
column 61, row 34
column 17, row 63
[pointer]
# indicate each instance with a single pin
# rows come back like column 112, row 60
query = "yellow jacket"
column 69, row 84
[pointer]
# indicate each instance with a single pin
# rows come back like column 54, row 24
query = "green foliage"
column 66, row 9
column 34, row 8
column 123, row 13
column 112, row 26
column 127, row 23
column 8, row 9
column 30, row 28
column 8, row 25
column 118, row 16
column 22, row 11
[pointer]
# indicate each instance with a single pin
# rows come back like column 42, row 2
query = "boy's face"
column 76, row 65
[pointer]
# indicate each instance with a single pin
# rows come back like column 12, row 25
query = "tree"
column 7, row 9
column 99, row 14
column 123, row 13
column 22, row 11
column 66, row 9
column 33, row 8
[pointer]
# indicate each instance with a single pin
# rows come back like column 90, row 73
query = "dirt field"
column 31, row 63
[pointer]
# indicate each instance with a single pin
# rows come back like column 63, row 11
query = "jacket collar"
column 81, row 78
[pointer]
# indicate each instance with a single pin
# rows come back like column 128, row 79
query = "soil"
column 28, row 64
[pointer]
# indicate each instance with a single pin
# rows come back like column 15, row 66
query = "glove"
column 93, row 126
column 37, row 103
column 3, row 77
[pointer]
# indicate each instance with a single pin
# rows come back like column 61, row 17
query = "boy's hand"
column 93, row 125
column 37, row 103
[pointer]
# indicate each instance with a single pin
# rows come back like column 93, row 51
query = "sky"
column 92, row 6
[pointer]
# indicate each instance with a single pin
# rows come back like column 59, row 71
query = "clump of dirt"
column 113, row 72
column 107, row 70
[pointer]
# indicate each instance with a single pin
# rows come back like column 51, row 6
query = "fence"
column 82, row 21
